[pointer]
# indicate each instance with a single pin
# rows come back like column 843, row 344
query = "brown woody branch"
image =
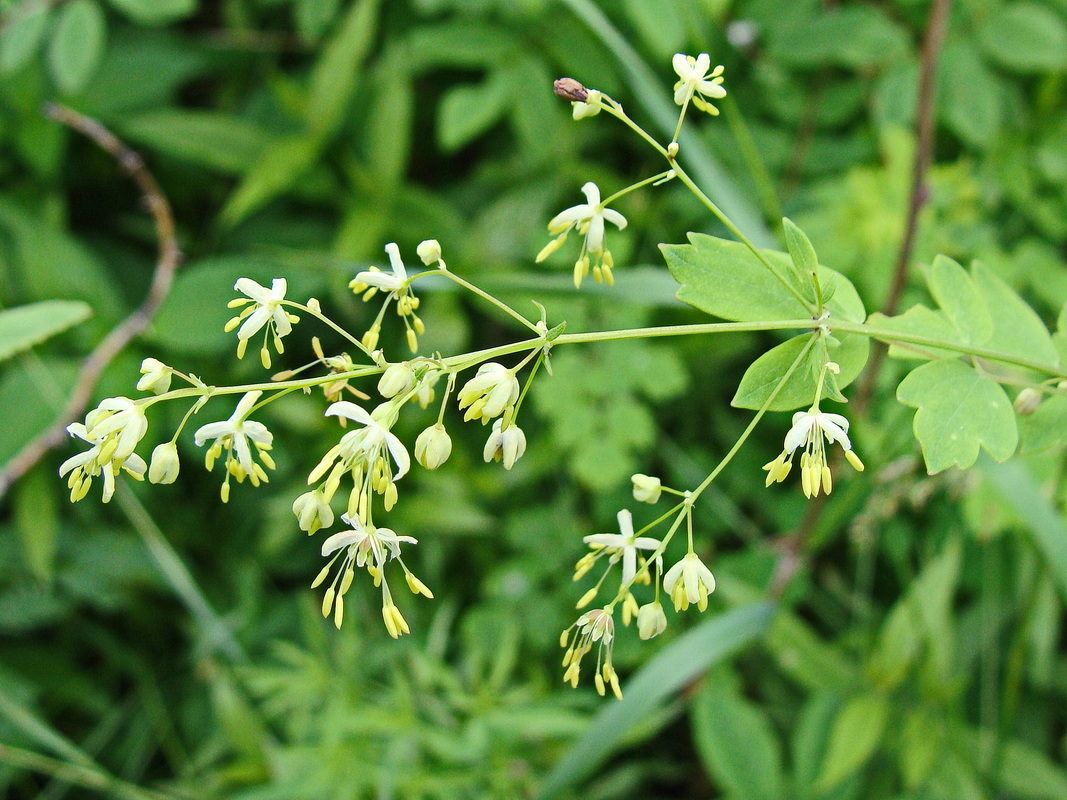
column 110, row 346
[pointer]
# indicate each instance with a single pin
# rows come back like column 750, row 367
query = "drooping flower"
column 312, row 511
column 647, row 489
column 164, row 465
column 588, row 218
column 689, row 581
column 623, row 545
column 155, row 376
column 596, row 626
column 433, row 447
column 397, row 284
column 100, row 460
column 651, row 620
column 238, row 435
column 508, row 444
column 813, row 429
column 696, row 83
column 490, row 393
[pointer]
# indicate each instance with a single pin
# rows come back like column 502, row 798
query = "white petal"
column 645, row 543
column 244, row 454
column 612, row 540
column 344, row 408
column 342, row 539
column 399, row 453
column 395, row 262
column 798, row 434
column 213, row 430
column 569, row 216
column 249, row 287
column 245, row 405
column 254, row 323
column 592, row 194
column 257, row 432
column 615, row 218
column 629, row 564
column 626, row 523
column 277, row 289
column 702, row 65
column 680, row 62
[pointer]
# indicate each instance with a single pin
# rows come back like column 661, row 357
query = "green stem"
column 666, row 174
column 511, row 312
column 324, row 319
column 95, row 779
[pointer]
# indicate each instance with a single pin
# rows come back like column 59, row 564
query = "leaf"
column 856, row 733
column 851, row 36
column 23, row 327
column 37, row 520
column 921, row 744
column 279, row 167
column 469, row 110
column 313, row 17
column 958, row 410
column 1025, row 37
column 22, row 33
column 77, row 44
column 959, row 299
column 337, row 71
column 31, row 402
column 723, row 278
column 1021, row 491
column 737, row 743
column 672, row 668
column 918, row 321
column 155, row 12
column 1017, row 329
column 767, row 371
column 212, row 139
column 971, row 94
column 389, row 123
column 660, row 23
column 800, row 251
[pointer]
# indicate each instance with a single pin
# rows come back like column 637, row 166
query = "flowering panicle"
column 238, row 436
column 262, row 308
column 588, row 218
column 113, row 428
column 398, row 286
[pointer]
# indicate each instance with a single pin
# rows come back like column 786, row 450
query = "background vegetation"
column 167, row 645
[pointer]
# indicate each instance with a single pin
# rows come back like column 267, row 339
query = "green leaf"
column 337, row 71
column 1025, row 37
column 856, row 733
column 850, row 36
column 737, row 744
column 313, row 17
column 210, row 138
column 801, row 251
column 77, row 44
column 960, row 301
column 23, row 327
column 921, row 744
column 766, row 372
column 155, row 12
column 37, row 520
column 1017, row 329
column 1028, row 773
column 971, row 94
column 1022, row 492
column 281, row 165
column 918, row 321
column 672, row 668
column 725, row 279
column 958, row 410
column 660, row 23
column 22, row 33
column 31, row 398
column 389, row 124
column 469, row 110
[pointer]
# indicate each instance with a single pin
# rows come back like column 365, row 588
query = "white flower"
column 508, row 444
column 164, row 464
column 651, row 621
column 312, row 511
column 646, row 488
column 429, row 251
column 397, row 379
column 589, row 219
column 590, row 107
column 99, row 460
column 266, row 308
column 368, row 442
column 387, row 281
column 120, row 420
column 689, row 581
column 155, row 376
column 696, row 83
column 813, row 429
column 593, row 627
column 234, row 435
column 623, row 545
column 433, row 447
column 374, row 546
column 489, row 393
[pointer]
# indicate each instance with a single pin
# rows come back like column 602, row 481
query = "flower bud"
column 165, row 465
column 429, row 251
column 433, row 446
column 646, row 488
column 1027, row 401
column 156, row 377
column 397, row 379
column 651, row 621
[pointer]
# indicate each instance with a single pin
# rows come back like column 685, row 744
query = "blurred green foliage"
column 174, row 646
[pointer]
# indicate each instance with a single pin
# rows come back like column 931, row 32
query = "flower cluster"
column 697, row 82
column 262, row 308
column 238, row 436
column 813, row 429
column 114, row 429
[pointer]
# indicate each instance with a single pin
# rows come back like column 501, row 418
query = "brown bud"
column 570, row 89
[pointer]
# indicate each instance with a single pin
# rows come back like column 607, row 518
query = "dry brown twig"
column 119, row 336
